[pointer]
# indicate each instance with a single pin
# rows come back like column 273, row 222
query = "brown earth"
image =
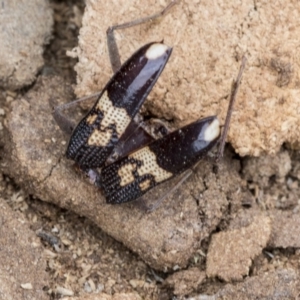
column 231, row 231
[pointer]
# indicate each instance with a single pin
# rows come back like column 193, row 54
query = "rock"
column 25, row 27
column 285, row 229
column 231, row 252
column 34, row 151
column 185, row 282
column 278, row 284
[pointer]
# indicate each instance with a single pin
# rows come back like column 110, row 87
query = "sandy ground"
column 81, row 258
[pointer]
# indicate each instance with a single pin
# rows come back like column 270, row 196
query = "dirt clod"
column 25, row 28
column 230, row 253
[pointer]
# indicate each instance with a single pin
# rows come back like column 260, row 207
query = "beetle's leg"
column 64, row 123
column 180, row 180
column 113, row 51
column 235, row 88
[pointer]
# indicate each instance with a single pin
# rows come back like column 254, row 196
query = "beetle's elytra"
column 134, row 175
column 99, row 131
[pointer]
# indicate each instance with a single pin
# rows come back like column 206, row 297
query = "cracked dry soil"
column 257, row 211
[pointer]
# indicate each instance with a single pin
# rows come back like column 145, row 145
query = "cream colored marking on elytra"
column 125, row 173
column 145, row 184
column 156, row 50
column 150, row 166
column 100, row 138
column 112, row 115
column 212, row 131
column 91, row 119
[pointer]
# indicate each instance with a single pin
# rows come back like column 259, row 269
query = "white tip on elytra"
column 212, row 131
column 156, row 50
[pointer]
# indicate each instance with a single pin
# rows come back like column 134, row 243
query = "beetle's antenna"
column 234, row 92
column 113, row 50
column 61, row 119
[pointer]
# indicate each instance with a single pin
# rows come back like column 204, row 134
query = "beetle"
column 132, row 176
column 101, row 135
column 108, row 148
